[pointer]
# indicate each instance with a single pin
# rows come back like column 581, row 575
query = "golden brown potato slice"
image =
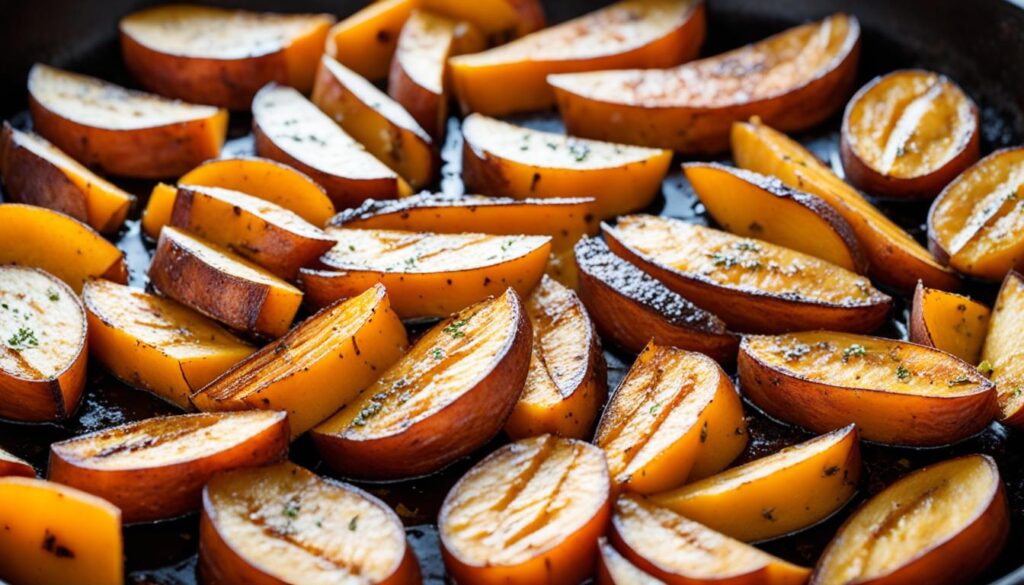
column 1003, row 353
column 752, row 285
column 503, row 160
column 221, row 285
column 753, row 205
column 121, row 131
column 644, row 34
column 679, row 551
column 895, row 258
column 531, row 512
column 675, row 416
column 219, row 56
column 942, row 524
column 55, row 535
column 790, row 490
column 897, row 392
column 793, row 80
column 283, row 524
column 365, row 41
column 500, row 20
column 948, row 321
column 908, row 133
column 11, row 465
column 441, row 401
column 319, row 366
column 615, row 569
column 156, row 468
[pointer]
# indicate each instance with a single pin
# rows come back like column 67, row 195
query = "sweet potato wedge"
column 793, row 80
column 55, row 535
column 531, row 512
column 156, row 468
column 43, row 345
column 121, row 131
column 897, row 392
column 12, row 465
column 895, row 258
column 319, row 531
column 645, row 34
column 441, row 401
column 220, row 56
column 753, row 205
column 1003, row 352
column 365, row 41
column 790, row 490
column 318, row 367
column 615, row 569
column 953, row 323
column 752, row 285
column 942, row 524
column 675, row 416
column 499, row 20
column 221, row 285
column 504, row 160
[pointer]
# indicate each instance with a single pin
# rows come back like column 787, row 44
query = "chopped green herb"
column 437, row 353
column 455, row 329
column 959, row 380
column 902, row 373
column 367, row 413
column 352, row 524
column 291, row 509
column 351, row 248
column 578, row 150
column 855, row 350
column 901, row 150
column 985, row 368
column 747, row 246
column 24, row 338
column 653, row 410
column 52, row 295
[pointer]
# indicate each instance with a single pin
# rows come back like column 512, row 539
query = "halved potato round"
column 365, row 41
column 1003, row 352
column 531, row 512
column 441, row 401
column 908, row 133
column 615, row 569
column 942, row 524
column 156, row 468
column 12, row 465
column 948, row 321
column 896, row 392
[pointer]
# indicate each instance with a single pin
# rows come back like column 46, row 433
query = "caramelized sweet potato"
column 12, row 465
column 953, row 323
column 1003, row 352
column 500, row 20
column 615, row 569
column 365, row 41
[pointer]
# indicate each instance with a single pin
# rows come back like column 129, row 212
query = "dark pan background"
column 978, row 43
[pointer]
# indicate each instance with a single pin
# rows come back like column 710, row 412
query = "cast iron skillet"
column 976, row 43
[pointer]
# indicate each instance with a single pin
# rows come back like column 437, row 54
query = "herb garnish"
column 902, row 373
column 24, row 338
column 959, row 380
column 855, row 350
column 52, row 295
column 985, row 368
column 455, row 328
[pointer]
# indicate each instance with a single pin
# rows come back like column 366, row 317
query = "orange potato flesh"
column 675, row 416
column 156, row 468
column 43, row 346
column 441, row 401
column 36, row 172
column 60, row 245
column 11, row 465
column 941, row 524
column 752, row 285
column 503, row 160
column 948, row 321
column 895, row 258
column 365, row 41
column 615, row 569
column 319, row 366
column 897, row 392
column 121, row 131
column 790, row 490
column 500, row 20
column 757, row 206
column 644, row 34
column 679, row 551
column 793, row 80
column 531, row 512
column 426, row 274
column 567, row 383
column 1004, row 349
column 283, row 524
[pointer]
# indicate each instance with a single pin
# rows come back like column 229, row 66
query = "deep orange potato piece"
column 365, row 41
column 12, row 465
column 500, row 20
column 1003, row 353
column 948, row 321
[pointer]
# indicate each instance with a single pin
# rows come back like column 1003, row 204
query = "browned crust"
column 371, row 209
column 918, row 328
column 429, row 109
column 32, row 180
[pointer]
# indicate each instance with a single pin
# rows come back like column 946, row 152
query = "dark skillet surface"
column 974, row 43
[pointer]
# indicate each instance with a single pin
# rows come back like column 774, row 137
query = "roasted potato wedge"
column 500, row 20
column 531, row 512
column 55, row 535
column 615, row 569
column 319, row 366
column 221, row 285
column 12, row 465
column 220, row 56
column 1003, row 352
column 942, row 524
column 897, row 392
column 675, row 416
column 895, row 258
column 645, row 34
column 441, row 401
column 121, row 131
column 43, row 345
column 503, row 160
column 793, row 80
column 156, row 468
column 790, row 490
column 283, row 524
column 953, row 323
column 365, row 41
column 754, row 286
column 753, row 205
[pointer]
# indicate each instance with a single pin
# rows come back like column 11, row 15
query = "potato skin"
column 32, row 180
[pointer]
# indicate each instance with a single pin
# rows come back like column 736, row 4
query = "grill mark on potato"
column 546, row 512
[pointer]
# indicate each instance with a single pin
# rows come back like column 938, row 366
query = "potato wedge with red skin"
column 615, row 569
column 1003, row 352
column 942, row 524
column 631, row 308
column 282, row 524
column 531, row 512
column 948, row 321
column 12, row 465
column 445, row 398
column 156, row 468
column 896, row 392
